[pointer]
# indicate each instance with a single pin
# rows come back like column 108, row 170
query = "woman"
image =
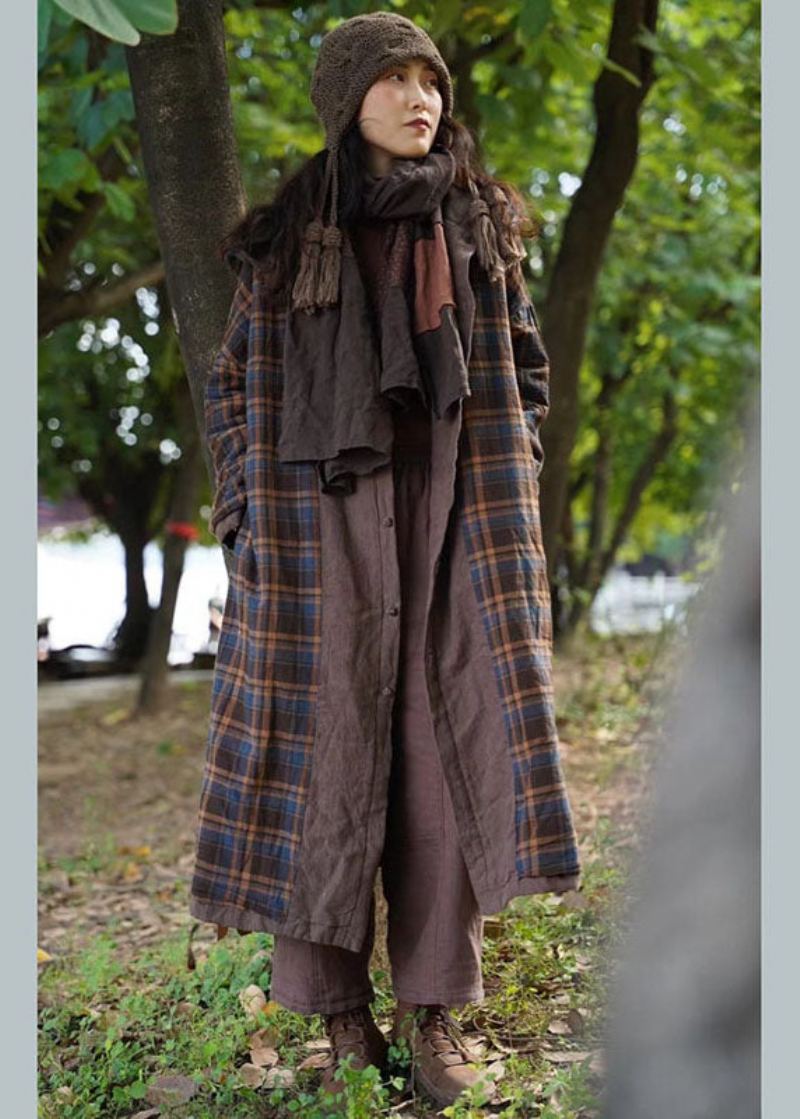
column 382, row 693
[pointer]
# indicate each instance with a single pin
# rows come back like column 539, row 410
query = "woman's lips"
column 421, row 125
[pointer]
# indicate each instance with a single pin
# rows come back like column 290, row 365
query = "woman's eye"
column 400, row 74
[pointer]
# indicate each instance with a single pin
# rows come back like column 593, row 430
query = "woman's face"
column 403, row 92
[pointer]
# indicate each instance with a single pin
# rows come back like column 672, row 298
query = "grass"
column 114, row 1018
column 111, row 1023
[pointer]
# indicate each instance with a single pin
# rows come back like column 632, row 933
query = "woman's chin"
column 415, row 150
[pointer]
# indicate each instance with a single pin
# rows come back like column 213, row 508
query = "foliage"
column 676, row 304
column 121, row 20
column 677, row 307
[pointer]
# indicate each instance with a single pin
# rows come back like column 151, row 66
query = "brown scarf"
column 346, row 366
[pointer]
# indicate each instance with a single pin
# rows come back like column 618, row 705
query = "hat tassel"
column 305, row 286
column 485, row 234
column 318, row 278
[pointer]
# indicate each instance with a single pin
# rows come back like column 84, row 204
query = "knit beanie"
column 351, row 57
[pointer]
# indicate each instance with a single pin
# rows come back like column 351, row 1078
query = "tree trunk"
column 185, row 123
column 183, row 114
column 182, row 512
column 130, row 638
column 566, row 311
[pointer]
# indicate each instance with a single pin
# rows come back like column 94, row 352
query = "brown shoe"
column 441, row 1065
column 352, row 1031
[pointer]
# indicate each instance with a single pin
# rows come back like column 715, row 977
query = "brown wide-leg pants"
column 435, row 928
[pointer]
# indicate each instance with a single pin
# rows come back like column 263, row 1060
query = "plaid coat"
column 294, row 794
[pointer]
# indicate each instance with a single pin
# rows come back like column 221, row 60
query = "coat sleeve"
column 226, row 415
column 530, row 359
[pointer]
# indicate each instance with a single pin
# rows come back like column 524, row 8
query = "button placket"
column 390, row 592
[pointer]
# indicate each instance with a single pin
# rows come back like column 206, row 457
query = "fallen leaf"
column 252, row 1076
column 565, row 1056
column 264, row 1057
column 573, row 899
column 132, row 873
column 318, row 1043
column 253, row 1000
column 168, row 1091
column 559, row 1027
column 577, row 1022
column 141, row 852
column 315, row 1060
column 42, row 957
column 495, row 1071
column 265, row 1038
column 151, row 1113
column 276, row 1076
column 114, row 717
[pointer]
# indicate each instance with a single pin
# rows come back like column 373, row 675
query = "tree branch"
column 97, row 300
column 642, row 478
column 567, row 308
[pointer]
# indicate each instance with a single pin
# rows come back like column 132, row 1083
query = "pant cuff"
column 328, row 1006
column 454, row 999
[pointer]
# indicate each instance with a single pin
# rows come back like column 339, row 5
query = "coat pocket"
column 243, row 568
column 532, row 424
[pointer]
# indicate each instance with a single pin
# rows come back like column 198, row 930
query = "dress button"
column 393, row 610
column 387, row 689
column 388, row 521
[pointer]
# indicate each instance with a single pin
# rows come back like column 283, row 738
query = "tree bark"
column 130, row 638
column 185, row 123
column 566, row 310
column 183, row 510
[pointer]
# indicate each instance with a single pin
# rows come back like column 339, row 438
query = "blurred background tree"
column 632, row 126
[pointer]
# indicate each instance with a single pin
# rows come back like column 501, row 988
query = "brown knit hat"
column 352, row 56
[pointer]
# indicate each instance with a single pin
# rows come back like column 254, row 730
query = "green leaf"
column 623, row 71
column 156, row 17
column 534, row 16
column 69, row 167
column 104, row 16
column 119, row 201
column 44, row 17
column 649, row 40
column 446, row 14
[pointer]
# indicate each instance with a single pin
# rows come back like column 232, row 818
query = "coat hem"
column 495, row 900
column 247, row 920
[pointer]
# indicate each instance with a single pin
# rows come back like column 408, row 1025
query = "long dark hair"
column 271, row 232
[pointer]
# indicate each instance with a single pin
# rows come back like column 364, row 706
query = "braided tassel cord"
column 330, row 266
column 304, row 291
column 485, row 236
column 331, row 263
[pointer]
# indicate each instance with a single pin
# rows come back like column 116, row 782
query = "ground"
column 131, row 975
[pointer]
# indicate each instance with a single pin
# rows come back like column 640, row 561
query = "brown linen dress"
column 434, row 928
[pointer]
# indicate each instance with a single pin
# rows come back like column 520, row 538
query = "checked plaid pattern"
column 267, row 676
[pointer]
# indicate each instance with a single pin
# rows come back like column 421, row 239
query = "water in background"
column 81, row 586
